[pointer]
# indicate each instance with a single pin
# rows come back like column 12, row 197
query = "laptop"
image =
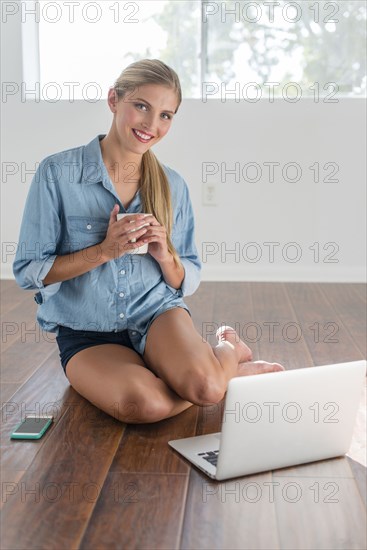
column 280, row 419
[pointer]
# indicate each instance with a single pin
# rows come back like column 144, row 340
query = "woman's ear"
column 112, row 99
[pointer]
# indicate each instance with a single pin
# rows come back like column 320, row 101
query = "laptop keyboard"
column 210, row 456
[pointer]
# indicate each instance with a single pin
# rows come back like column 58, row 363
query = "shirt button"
column 121, row 294
column 133, row 333
column 89, row 226
column 122, row 315
column 122, row 272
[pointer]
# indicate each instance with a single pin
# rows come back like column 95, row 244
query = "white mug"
column 141, row 249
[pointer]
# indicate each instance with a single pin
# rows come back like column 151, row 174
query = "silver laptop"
column 280, row 419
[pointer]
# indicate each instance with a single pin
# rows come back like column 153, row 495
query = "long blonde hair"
column 154, row 187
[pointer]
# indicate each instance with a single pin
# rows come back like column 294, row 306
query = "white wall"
column 281, row 212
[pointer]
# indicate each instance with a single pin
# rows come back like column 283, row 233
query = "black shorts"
column 71, row 341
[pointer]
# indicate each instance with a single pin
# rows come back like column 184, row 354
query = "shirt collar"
column 94, row 169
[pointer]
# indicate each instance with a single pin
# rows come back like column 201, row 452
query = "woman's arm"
column 37, row 264
column 39, row 233
column 74, row 264
column 113, row 246
column 173, row 274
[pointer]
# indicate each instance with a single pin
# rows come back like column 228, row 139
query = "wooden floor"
column 94, row 483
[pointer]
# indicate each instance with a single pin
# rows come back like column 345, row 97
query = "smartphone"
column 32, row 427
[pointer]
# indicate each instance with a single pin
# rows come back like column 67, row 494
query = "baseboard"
column 294, row 273
column 324, row 274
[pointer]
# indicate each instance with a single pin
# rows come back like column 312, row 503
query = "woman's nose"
column 150, row 122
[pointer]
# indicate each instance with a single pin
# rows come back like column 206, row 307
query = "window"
column 248, row 48
column 287, row 48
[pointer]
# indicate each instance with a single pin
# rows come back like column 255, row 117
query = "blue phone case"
column 30, row 436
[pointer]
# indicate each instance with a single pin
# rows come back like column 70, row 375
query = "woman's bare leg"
column 198, row 373
column 114, row 379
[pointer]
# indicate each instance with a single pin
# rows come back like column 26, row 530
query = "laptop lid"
column 281, row 419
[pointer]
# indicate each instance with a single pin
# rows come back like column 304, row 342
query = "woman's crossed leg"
column 114, row 378
column 183, row 369
column 198, row 373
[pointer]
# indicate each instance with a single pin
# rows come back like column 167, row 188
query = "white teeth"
column 143, row 136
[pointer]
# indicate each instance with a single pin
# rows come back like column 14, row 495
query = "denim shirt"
column 67, row 209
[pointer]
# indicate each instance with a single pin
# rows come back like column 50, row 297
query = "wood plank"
column 201, row 307
column 48, row 392
column 330, row 468
column 10, row 484
column 233, row 306
column 21, row 360
column 5, row 284
column 7, row 390
column 361, row 290
column 235, row 514
column 320, row 513
column 24, row 346
column 360, row 477
column 280, row 336
column 145, row 447
column 138, row 511
column 326, row 337
column 24, row 332
column 12, row 296
column 60, row 488
column 350, row 309
column 210, row 418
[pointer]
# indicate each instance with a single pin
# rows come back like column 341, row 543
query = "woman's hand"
column 118, row 237
column 156, row 237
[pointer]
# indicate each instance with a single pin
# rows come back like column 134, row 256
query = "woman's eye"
column 143, row 107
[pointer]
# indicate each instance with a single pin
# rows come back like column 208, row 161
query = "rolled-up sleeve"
column 39, row 234
column 184, row 242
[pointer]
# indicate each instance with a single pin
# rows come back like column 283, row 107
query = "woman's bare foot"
column 258, row 367
column 229, row 336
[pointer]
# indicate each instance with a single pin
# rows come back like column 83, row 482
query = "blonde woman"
column 126, row 338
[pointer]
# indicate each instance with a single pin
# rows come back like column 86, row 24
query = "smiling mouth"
column 141, row 136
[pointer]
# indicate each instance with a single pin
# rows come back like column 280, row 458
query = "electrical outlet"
column 210, row 191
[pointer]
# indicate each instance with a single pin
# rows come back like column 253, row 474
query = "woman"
column 126, row 338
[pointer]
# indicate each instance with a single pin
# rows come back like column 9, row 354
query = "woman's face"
column 143, row 117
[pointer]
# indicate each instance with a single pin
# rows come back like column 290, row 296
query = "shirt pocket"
column 84, row 231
